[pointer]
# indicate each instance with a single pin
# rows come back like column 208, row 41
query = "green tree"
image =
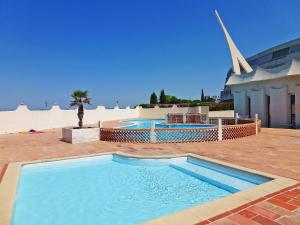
column 202, row 95
column 172, row 99
column 80, row 98
column 153, row 98
column 162, row 97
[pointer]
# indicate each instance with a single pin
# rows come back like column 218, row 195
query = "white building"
column 267, row 83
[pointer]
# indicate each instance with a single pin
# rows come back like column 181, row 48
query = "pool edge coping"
column 9, row 184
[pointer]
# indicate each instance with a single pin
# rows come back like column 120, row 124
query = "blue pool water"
column 112, row 189
column 146, row 123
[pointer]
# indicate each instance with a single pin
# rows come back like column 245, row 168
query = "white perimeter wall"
column 23, row 119
column 157, row 112
column 222, row 114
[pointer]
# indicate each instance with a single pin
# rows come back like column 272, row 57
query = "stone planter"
column 75, row 135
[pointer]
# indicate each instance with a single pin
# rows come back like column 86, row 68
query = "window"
column 268, row 111
column 281, row 53
column 293, row 111
column 249, row 107
column 295, row 48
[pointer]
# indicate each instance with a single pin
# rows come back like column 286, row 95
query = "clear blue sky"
column 124, row 49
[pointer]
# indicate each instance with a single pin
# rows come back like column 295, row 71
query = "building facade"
column 267, row 84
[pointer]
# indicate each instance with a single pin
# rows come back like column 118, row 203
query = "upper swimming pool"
column 113, row 189
column 146, row 124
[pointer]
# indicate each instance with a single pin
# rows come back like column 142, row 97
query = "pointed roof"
column 237, row 58
column 288, row 69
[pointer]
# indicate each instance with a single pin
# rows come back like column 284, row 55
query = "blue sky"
column 125, row 49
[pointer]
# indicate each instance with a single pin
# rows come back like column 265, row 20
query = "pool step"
column 216, row 178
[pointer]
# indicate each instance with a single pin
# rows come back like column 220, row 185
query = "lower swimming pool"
column 113, row 189
column 146, row 123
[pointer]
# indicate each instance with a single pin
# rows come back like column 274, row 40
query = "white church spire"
column 237, row 58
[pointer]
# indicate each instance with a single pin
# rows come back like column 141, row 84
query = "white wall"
column 258, row 104
column 297, row 105
column 240, row 102
column 222, row 114
column 279, row 107
column 23, row 119
column 157, row 112
column 279, row 91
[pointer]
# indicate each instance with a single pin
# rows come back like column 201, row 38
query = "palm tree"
column 80, row 98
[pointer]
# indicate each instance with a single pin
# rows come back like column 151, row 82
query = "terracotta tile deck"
column 271, row 210
column 275, row 151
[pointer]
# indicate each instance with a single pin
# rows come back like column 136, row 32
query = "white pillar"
column 99, row 124
column 220, row 133
column 184, row 117
column 240, row 102
column 236, row 118
column 297, row 105
column 279, row 108
column 259, row 104
column 167, row 118
column 152, row 133
column 207, row 118
column 256, row 123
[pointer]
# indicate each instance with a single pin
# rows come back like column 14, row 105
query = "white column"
column 259, row 104
column 207, row 118
column 297, row 105
column 279, row 109
column 240, row 102
column 256, row 123
column 220, row 132
column 236, row 118
column 184, row 118
column 152, row 133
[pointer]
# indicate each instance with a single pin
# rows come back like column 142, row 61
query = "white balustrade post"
column 236, row 118
column 207, row 118
column 220, row 132
column 99, row 126
column 256, row 123
column 152, row 133
column 184, row 117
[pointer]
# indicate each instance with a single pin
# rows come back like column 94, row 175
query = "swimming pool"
column 146, row 124
column 113, row 189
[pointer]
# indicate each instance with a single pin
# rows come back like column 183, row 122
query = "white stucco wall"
column 240, row 103
column 279, row 91
column 258, row 104
column 279, row 107
column 297, row 105
column 23, row 119
column 222, row 114
column 157, row 112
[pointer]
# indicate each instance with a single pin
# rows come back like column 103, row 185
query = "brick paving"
column 279, row 208
column 275, row 151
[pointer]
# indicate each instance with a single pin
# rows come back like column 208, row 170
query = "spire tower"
column 237, row 58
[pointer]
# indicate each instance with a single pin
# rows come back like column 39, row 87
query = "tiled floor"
column 280, row 208
column 275, row 151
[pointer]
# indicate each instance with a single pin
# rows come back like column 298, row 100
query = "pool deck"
column 274, row 151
